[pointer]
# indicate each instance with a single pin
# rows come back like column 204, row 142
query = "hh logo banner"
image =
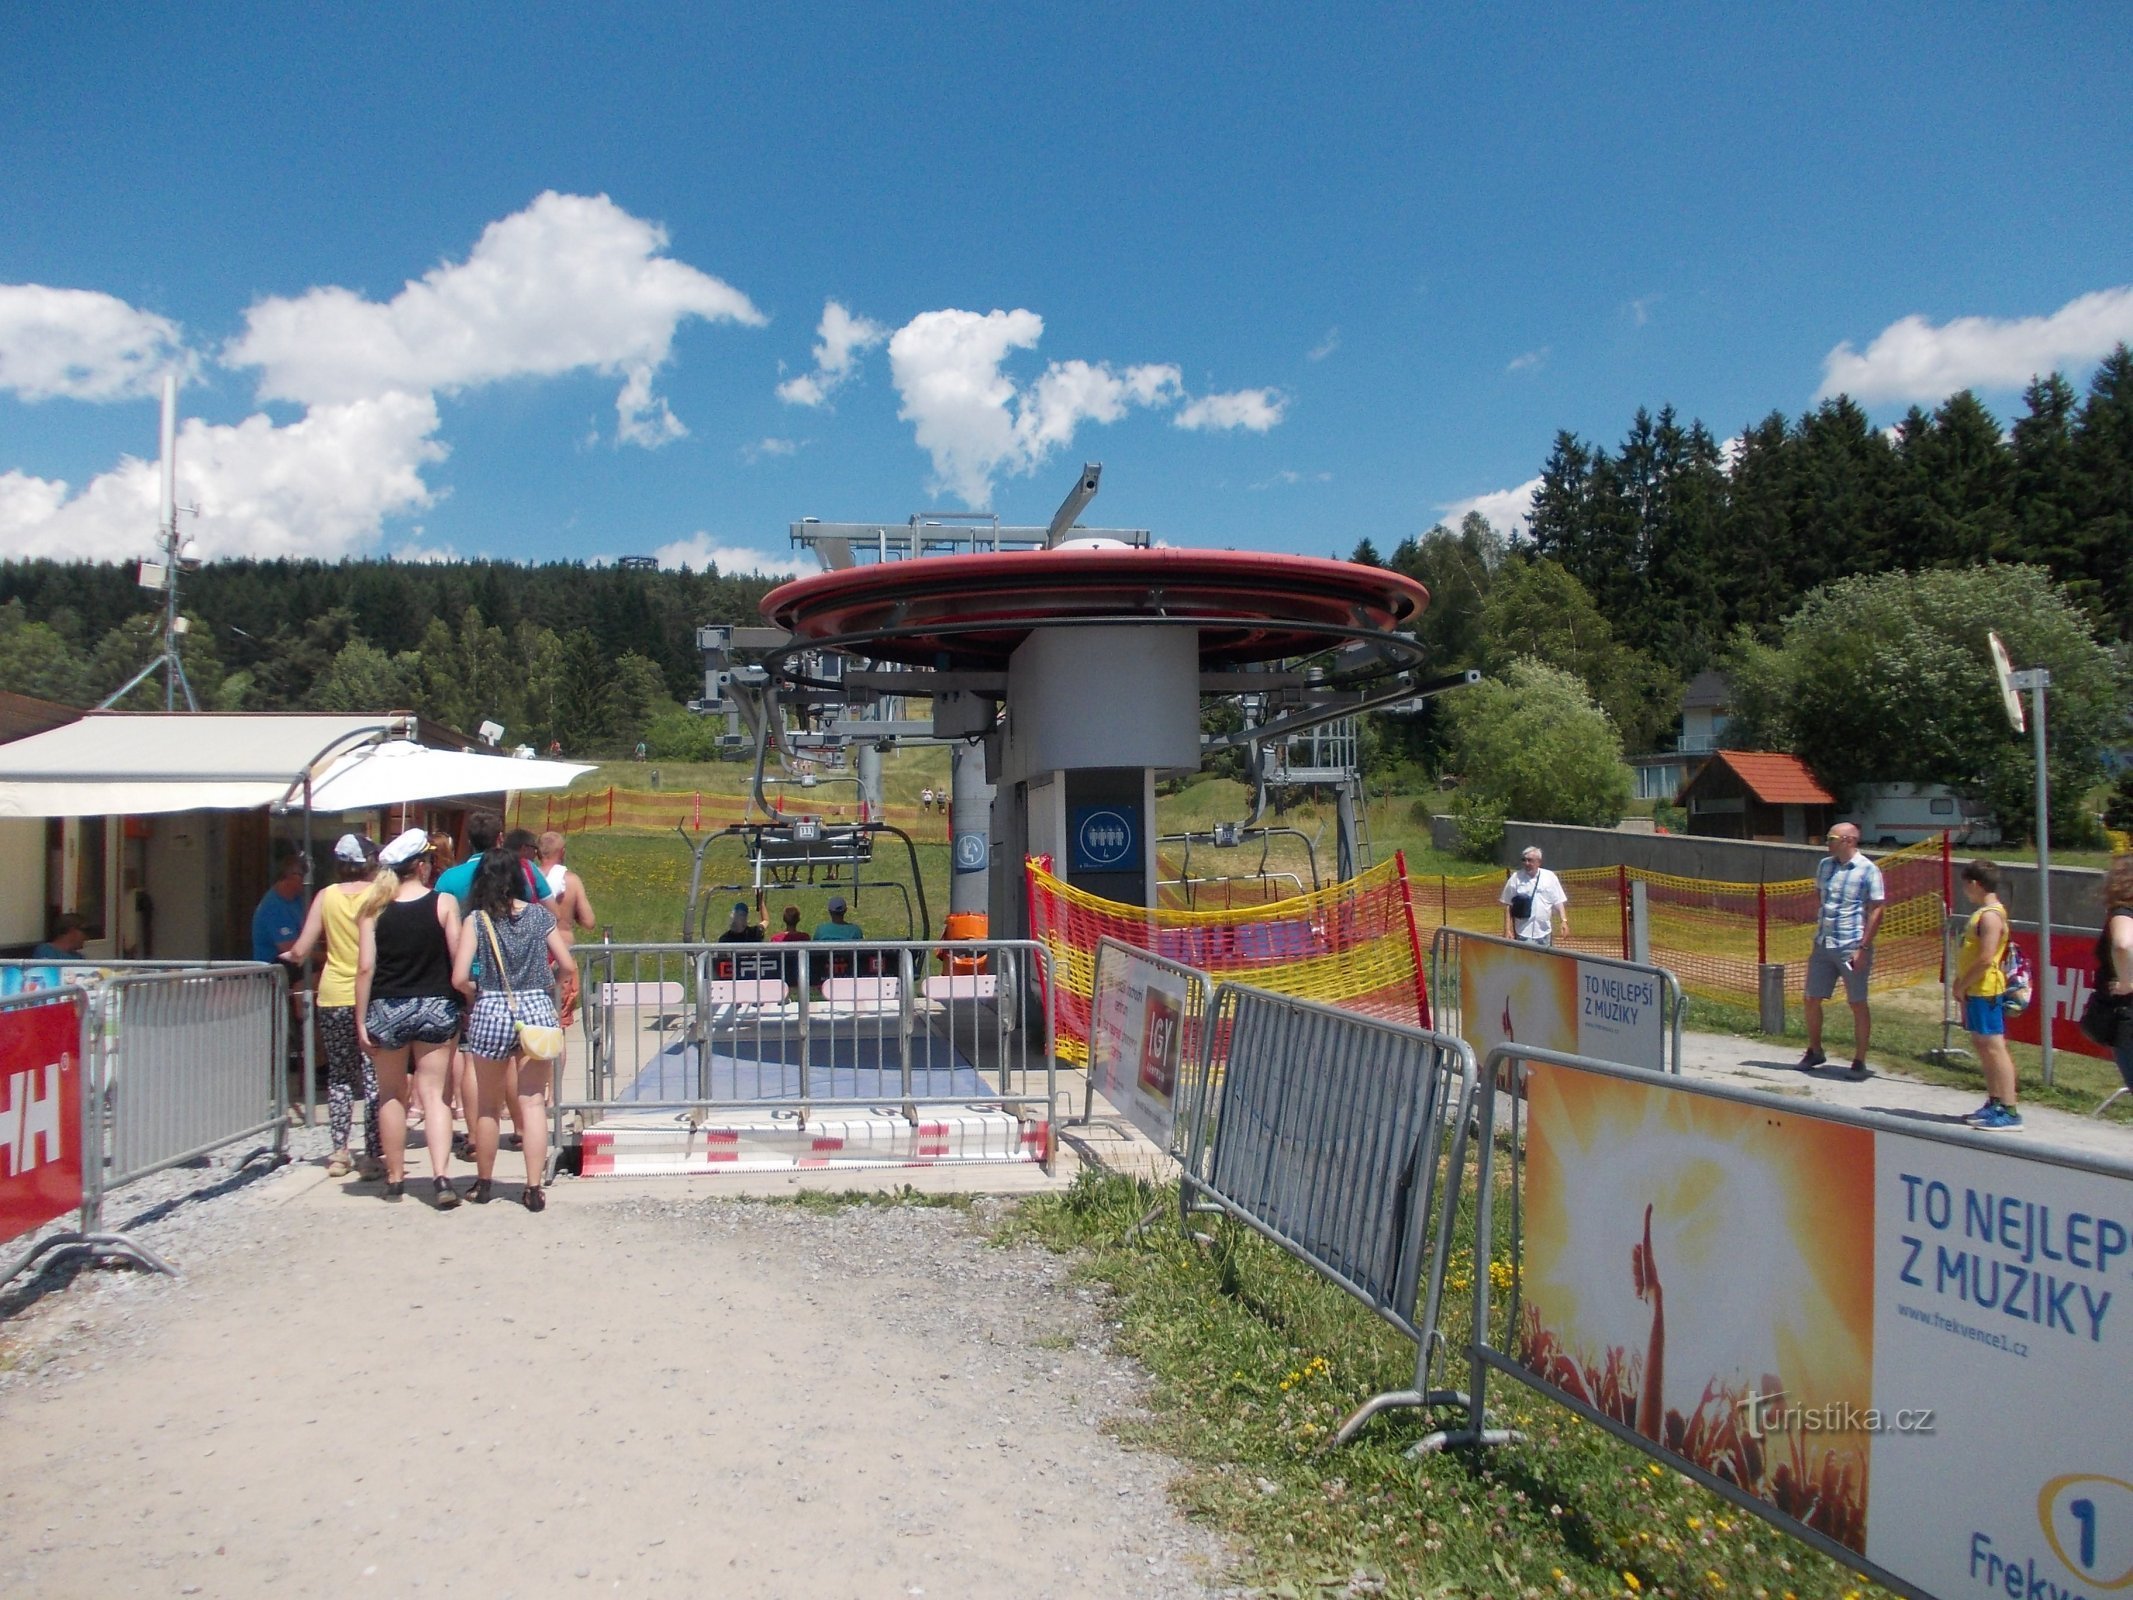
column 40, row 1115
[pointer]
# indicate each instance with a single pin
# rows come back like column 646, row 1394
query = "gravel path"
column 641, row 1392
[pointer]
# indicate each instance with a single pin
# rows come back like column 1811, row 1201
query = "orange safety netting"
column 662, row 810
column 1350, row 944
column 1713, row 934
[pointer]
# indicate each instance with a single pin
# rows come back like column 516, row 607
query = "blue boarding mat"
column 847, row 1065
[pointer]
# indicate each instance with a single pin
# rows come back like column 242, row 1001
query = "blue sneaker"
column 1987, row 1109
column 2001, row 1119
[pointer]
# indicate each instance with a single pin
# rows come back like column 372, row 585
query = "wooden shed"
column 1756, row 794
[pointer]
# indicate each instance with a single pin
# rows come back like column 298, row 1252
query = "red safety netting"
column 663, row 810
column 1350, row 944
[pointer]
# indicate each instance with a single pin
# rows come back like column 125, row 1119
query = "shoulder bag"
column 537, row 1041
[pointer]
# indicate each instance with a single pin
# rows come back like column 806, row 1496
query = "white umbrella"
column 396, row 772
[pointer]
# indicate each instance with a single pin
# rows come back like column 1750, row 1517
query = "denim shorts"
column 1985, row 1014
column 396, row 1023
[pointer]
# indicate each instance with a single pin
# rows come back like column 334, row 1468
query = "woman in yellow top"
column 333, row 918
column 1981, row 985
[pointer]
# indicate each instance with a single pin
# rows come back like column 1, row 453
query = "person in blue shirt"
column 71, row 933
column 484, row 829
column 837, row 928
column 279, row 916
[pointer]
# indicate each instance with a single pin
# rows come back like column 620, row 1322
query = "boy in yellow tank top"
column 1981, row 987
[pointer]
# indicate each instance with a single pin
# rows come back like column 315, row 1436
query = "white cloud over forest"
column 1509, row 511
column 701, row 551
column 1913, row 360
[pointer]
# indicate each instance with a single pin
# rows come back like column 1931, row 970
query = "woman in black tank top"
column 407, row 1011
column 2114, row 959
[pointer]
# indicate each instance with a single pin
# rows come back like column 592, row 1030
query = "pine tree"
column 2102, row 462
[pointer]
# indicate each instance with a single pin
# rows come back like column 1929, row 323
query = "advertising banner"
column 2074, row 966
column 40, row 1113
column 1554, row 1000
column 1912, row 1348
column 1137, row 1037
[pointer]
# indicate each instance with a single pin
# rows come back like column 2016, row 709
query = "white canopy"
column 397, row 771
column 139, row 764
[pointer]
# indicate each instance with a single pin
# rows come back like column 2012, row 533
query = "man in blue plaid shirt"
column 1849, row 896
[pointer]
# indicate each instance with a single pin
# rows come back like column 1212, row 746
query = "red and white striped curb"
column 874, row 1140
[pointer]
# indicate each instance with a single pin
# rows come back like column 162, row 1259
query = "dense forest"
column 1647, row 563
column 1644, row 565
column 583, row 655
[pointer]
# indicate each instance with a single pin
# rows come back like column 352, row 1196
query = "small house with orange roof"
column 1757, row 794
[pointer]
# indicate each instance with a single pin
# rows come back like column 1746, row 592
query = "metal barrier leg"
column 2110, row 1100
column 97, row 1246
column 1477, row 1431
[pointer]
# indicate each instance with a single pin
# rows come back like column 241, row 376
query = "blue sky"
column 541, row 282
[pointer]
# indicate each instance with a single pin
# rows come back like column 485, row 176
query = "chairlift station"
column 1065, row 667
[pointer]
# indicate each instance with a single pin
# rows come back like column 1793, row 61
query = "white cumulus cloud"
column 977, row 422
column 571, row 282
column 641, row 417
column 1915, row 360
column 78, row 344
column 700, row 552
column 1510, row 511
column 1253, row 409
column 322, row 487
column 840, row 339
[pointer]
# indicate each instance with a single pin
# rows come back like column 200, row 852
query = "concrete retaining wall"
column 2077, row 892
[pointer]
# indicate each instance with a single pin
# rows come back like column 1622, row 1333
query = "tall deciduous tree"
column 1537, row 611
column 1532, row 745
column 1886, row 679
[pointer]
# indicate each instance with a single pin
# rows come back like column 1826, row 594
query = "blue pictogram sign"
column 970, row 852
column 1107, row 838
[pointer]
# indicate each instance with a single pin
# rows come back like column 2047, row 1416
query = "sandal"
column 443, row 1193
column 339, row 1164
column 394, row 1191
column 479, row 1194
column 533, row 1199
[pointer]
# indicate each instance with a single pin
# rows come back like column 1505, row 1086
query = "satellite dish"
column 491, row 732
column 2003, row 671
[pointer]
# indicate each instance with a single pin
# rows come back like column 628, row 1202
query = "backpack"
column 2020, row 989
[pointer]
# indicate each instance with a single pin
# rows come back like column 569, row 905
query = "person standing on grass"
column 2114, row 960
column 519, row 942
column 1981, row 987
column 333, row 918
column 1850, row 896
column 407, row 1012
column 1534, row 902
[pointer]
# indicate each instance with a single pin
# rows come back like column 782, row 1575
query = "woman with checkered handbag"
column 502, row 965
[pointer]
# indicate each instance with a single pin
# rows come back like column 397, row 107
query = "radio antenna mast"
column 163, row 574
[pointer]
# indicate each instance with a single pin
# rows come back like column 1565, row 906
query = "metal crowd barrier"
column 1990, row 1185
column 174, row 1063
column 1327, row 1135
column 1194, row 1062
column 191, row 1061
column 1445, row 996
column 802, row 1027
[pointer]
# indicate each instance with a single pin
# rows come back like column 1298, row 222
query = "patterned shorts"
column 492, row 1031
column 420, row 1019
